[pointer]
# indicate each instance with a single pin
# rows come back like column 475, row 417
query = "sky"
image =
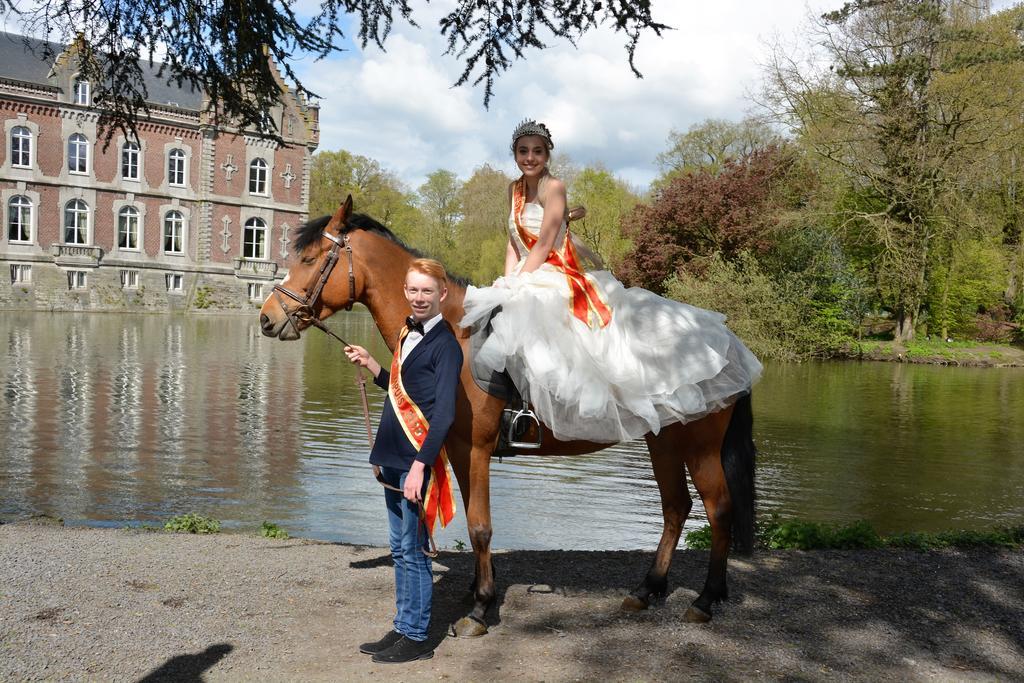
column 399, row 107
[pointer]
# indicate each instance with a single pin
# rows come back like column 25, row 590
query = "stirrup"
column 519, row 425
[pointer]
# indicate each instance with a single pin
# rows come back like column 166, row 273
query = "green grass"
column 867, row 348
column 271, row 530
column 943, row 349
column 774, row 534
column 192, row 524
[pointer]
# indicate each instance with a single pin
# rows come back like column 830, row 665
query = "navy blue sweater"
column 430, row 376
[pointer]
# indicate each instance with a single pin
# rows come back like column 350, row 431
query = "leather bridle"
column 303, row 312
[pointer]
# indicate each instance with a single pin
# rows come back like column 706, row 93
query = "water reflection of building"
column 140, row 418
column 18, row 402
column 171, row 383
column 75, row 377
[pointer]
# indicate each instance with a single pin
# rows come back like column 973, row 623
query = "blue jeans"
column 414, row 575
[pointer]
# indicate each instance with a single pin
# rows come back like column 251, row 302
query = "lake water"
column 119, row 420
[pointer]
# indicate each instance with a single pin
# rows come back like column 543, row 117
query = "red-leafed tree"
column 697, row 214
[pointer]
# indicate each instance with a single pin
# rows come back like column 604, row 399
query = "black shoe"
column 382, row 644
column 405, row 650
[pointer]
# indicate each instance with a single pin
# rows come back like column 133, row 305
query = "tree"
column 607, row 199
column 481, row 236
column 700, row 214
column 439, row 201
column 889, row 101
column 222, row 48
column 710, row 144
column 375, row 192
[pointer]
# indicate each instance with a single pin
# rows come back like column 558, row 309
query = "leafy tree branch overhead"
column 219, row 47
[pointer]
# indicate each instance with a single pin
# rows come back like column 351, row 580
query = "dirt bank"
column 121, row 605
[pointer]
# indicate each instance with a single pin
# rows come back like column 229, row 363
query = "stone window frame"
column 259, row 166
column 76, row 91
column 26, row 138
column 21, row 274
column 117, row 207
column 266, row 238
column 86, row 145
column 125, row 215
column 140, row 155
column 130, row 278
column 180, row 218
column 170, row 147
column 7, row 196
column 78, row 280
column 260, row 148
column 87, row 212
column 175, row 283
column 21, row 120
column 186, row 227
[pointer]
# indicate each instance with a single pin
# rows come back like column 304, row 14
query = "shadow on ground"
column 187, row 668
column 791, row 613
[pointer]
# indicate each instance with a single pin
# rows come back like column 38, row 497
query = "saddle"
column 520, row 428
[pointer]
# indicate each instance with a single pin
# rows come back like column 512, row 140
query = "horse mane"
column 310, row 232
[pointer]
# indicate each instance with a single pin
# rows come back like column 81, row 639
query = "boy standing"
column 420, row 409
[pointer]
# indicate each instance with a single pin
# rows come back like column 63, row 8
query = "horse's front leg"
column 478, row 521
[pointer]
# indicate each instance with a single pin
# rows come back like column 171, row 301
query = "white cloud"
column 398, row 106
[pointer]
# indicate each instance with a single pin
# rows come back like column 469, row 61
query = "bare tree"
column 711, row 143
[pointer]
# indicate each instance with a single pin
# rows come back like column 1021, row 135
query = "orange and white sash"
column 585, row 299
column 439, row 505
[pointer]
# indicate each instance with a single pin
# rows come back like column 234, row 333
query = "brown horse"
column 718, row 449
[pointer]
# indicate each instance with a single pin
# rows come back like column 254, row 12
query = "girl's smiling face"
column 532, row 155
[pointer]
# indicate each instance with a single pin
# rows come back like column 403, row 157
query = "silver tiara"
column 531, row 127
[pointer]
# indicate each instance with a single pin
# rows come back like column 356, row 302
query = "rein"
column 304, row 313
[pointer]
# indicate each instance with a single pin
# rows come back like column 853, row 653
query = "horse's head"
column 320, row 280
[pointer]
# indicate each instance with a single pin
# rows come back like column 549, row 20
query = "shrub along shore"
column 774, row 534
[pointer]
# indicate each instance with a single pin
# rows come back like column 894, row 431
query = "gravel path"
column 90, row 604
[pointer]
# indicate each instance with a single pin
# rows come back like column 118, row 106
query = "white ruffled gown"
column 657, row 362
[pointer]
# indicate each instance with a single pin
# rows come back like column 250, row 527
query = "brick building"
column 189, row 215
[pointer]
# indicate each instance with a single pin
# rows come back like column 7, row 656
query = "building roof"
column 30, row 60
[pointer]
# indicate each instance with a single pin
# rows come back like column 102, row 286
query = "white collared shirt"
column 414, row 338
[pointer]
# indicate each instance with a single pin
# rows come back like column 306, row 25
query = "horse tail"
column 738, row 453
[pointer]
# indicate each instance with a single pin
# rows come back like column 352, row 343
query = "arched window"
column 78, row 153
column 174, row 229
column 82, row 95
column 176, row 167
column 19, row 219
column 130, row 161
column 76, row 222
column 254, row 239
column 258, row 177
column 128, row 228
column 21, row 147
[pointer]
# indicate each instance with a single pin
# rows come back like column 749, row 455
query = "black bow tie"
column 414, row 325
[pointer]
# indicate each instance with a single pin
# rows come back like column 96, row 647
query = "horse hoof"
column 695, row 615
column 631, row 603
column 468, row 627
